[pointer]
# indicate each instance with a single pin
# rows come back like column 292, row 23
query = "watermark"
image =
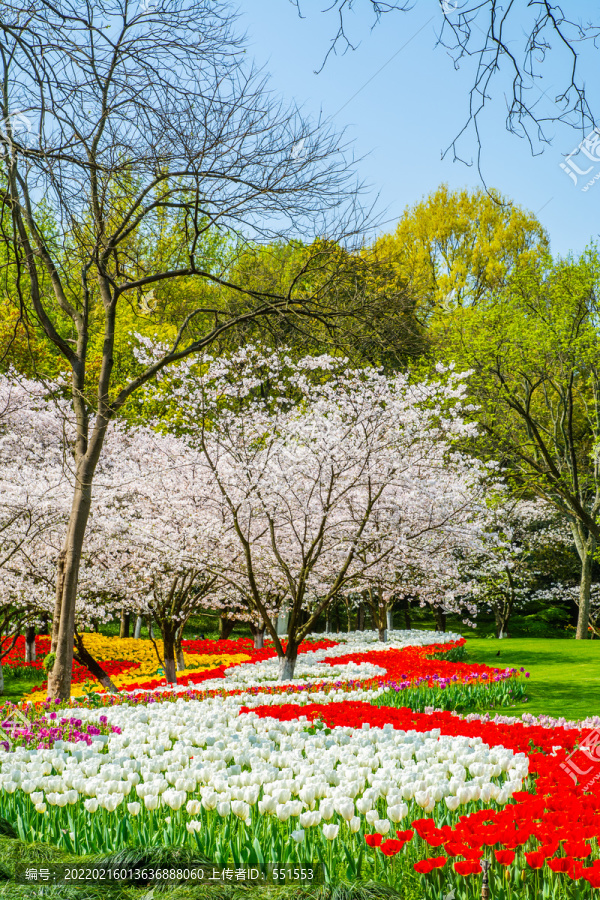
column 8, row 725
column 447, row 304
column 299, row 149
column 16, row 129
column 148, row 303
column 450, row 6
column 583, row 763
column 583, row 160
column 177, row 873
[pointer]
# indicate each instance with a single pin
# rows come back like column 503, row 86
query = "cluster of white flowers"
column 307, row 671
column 206, row 755
column 311, row 667
column 361, row 641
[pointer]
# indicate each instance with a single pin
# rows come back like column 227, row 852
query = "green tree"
column 454, row 248
column 533, row 348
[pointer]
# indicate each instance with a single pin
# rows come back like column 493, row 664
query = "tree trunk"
column 258, row 633
column 361, row 617
column 150, row 631
column 96, row 626
column 440, row 618
column 125, row 619
column 86, row 659
column 390, row 619
column 180, row 658
column 586, row 547
column 1, row 679
column 585, row 584
column 501, row 618
column 169, row 655
column 138, row 628
column 327, row 625
column 44, row 625
column 382, row 634
column 30, row 644
column 59, row 679
column 407, row 620
column 58, row 594
column 287, row 663
column 226, row 626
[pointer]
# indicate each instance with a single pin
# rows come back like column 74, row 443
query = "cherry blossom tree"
column 32, row 490
column 311, row 463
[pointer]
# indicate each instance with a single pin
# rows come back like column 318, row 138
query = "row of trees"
column 182, row 200
column 274, row 485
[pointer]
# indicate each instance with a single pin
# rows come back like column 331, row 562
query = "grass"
column 16, row 689
column 564, row 674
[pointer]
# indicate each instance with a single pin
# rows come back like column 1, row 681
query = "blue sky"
column 402, row 102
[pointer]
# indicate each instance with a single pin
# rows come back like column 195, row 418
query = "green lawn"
column 564, row 674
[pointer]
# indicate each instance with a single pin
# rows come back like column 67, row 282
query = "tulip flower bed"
column 366, row 792
column 545, row 842
column 43, row 731
column 415, row 669
column 129, row 662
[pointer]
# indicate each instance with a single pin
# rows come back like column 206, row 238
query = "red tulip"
column 505, row 857
column 535, row 860
column 425, row 866
column 390, row 847
column 405, row 835
column 373, row 840
column 467, row 867
column 560, row 864
column 578, row 849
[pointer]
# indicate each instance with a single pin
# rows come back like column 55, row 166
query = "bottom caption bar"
column 270, row 873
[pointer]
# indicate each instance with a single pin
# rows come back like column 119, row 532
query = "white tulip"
column 382, row 826
column 209, row 801
column 134, row 808
column 240, row 809
column 397, row 813
column 354, row 824
column 193, row 807
column 298, row 835
column 174, row 799
column 40, row 807
column 331, row 831
column 344, row 808
column 224, row 808
column 326, row 809
column 152, row 801
column 91, row 805
column 283, row 811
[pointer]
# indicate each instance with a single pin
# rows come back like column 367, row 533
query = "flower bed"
column 129, row 662
column 367, row 792
column 419, row 674
column 532, row 847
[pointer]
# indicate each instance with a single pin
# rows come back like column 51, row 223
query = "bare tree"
column 128, row 120
column 511, row 43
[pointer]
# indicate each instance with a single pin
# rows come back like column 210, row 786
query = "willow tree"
column 126, row 117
